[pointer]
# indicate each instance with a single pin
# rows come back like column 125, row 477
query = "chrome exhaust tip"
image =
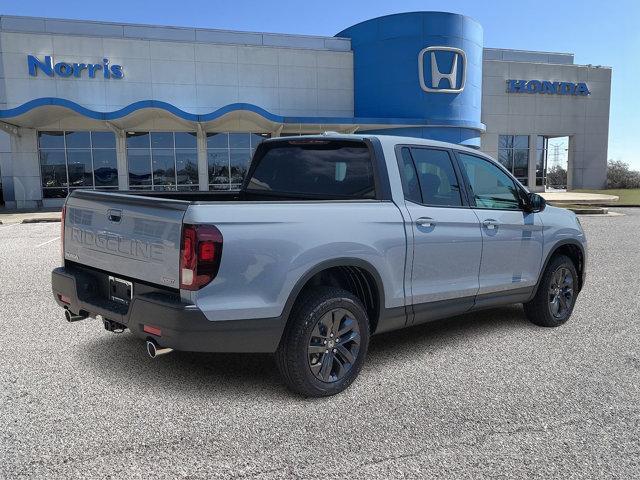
column 154, row 350
column 73, row 318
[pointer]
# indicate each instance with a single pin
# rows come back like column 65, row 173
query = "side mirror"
column 535, row 203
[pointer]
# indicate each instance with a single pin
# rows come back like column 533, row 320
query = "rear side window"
column 316, row 168
column 428, row 177
column 409, row 177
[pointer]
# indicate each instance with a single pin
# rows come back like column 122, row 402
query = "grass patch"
column 630, row 196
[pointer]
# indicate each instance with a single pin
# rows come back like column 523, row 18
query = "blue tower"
column 422, row 67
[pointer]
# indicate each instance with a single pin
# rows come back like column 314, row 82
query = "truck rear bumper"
column 182, row 326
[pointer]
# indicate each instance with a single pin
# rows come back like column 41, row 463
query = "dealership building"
column 121, row 106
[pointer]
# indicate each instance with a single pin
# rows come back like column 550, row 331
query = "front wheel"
column 556, row 295
column 325, row 343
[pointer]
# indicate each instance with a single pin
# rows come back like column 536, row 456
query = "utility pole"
column 558, row 154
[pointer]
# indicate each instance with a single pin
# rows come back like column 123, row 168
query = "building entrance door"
column 556, row 152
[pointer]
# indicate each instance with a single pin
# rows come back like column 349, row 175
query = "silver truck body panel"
column 269, row 246
column 511, row 251
column 446, row 255
column 561, row 226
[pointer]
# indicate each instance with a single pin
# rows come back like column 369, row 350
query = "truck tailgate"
column 126, row 235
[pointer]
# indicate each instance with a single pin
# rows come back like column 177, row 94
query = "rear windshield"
column 315, row 169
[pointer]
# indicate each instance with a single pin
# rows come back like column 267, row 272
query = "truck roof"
column 384, row 140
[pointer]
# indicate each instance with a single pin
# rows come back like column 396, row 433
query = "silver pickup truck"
column 332, row 239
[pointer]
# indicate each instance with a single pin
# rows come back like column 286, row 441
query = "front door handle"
column 426, row 222
column 490, row 224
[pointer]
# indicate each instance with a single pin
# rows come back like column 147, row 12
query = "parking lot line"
column 47, row 242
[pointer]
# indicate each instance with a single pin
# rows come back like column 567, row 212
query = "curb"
column 589, row 211
column 41, row 220
column 602, row 215
column 616, row 205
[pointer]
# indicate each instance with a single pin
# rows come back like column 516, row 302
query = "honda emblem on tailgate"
column 455, row 77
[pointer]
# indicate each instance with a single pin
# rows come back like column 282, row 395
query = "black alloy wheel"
column 561, row 293
column 324, row 343
column 556, row 294
column 334, row 345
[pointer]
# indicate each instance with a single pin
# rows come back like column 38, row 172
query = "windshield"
column 315, row 168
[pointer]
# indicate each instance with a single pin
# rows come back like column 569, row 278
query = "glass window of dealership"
column 155, row 160
column 73, row 160
column 228, row 156
column 515, row 155
column 162, row 160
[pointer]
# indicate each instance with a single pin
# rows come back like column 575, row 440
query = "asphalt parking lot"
column 480, row 395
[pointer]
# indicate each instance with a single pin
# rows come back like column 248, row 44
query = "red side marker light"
column 64, row 299
column 152, row 330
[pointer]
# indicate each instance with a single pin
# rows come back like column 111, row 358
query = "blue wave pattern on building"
column 207, row 117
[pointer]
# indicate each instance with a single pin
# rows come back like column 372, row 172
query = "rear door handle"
column 426, row 222
column 490, row 224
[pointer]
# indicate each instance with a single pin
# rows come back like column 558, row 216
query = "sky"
column 597, row 32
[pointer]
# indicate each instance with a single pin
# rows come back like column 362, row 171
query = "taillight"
column 200, row 253
column 63, row 214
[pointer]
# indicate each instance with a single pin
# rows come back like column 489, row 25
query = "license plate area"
column 120, row 291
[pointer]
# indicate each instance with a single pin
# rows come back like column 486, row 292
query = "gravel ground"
column 480, row 395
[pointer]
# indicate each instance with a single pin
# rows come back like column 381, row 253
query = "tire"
column 559, row 282
column 307, row 346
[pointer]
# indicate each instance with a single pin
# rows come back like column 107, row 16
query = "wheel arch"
column 572, row 249
column 366, row 284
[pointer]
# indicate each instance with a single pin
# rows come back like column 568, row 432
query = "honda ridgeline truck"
column 331, row 239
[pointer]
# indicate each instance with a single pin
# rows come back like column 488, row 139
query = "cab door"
column 446, row 240
column 512, row 237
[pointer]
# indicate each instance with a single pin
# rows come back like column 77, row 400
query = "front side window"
column 319, row 169
column 70, row 160
column 491, row 187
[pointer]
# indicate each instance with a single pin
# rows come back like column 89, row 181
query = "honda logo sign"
column 452, row 78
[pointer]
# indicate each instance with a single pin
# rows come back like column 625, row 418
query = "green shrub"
column 619, row 175
column 557, row 177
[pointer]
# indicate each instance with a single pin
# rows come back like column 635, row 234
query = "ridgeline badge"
column 545, row 87
column 65, row 69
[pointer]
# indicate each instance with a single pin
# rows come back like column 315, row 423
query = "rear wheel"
column 325, row 343
column 556, row 295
